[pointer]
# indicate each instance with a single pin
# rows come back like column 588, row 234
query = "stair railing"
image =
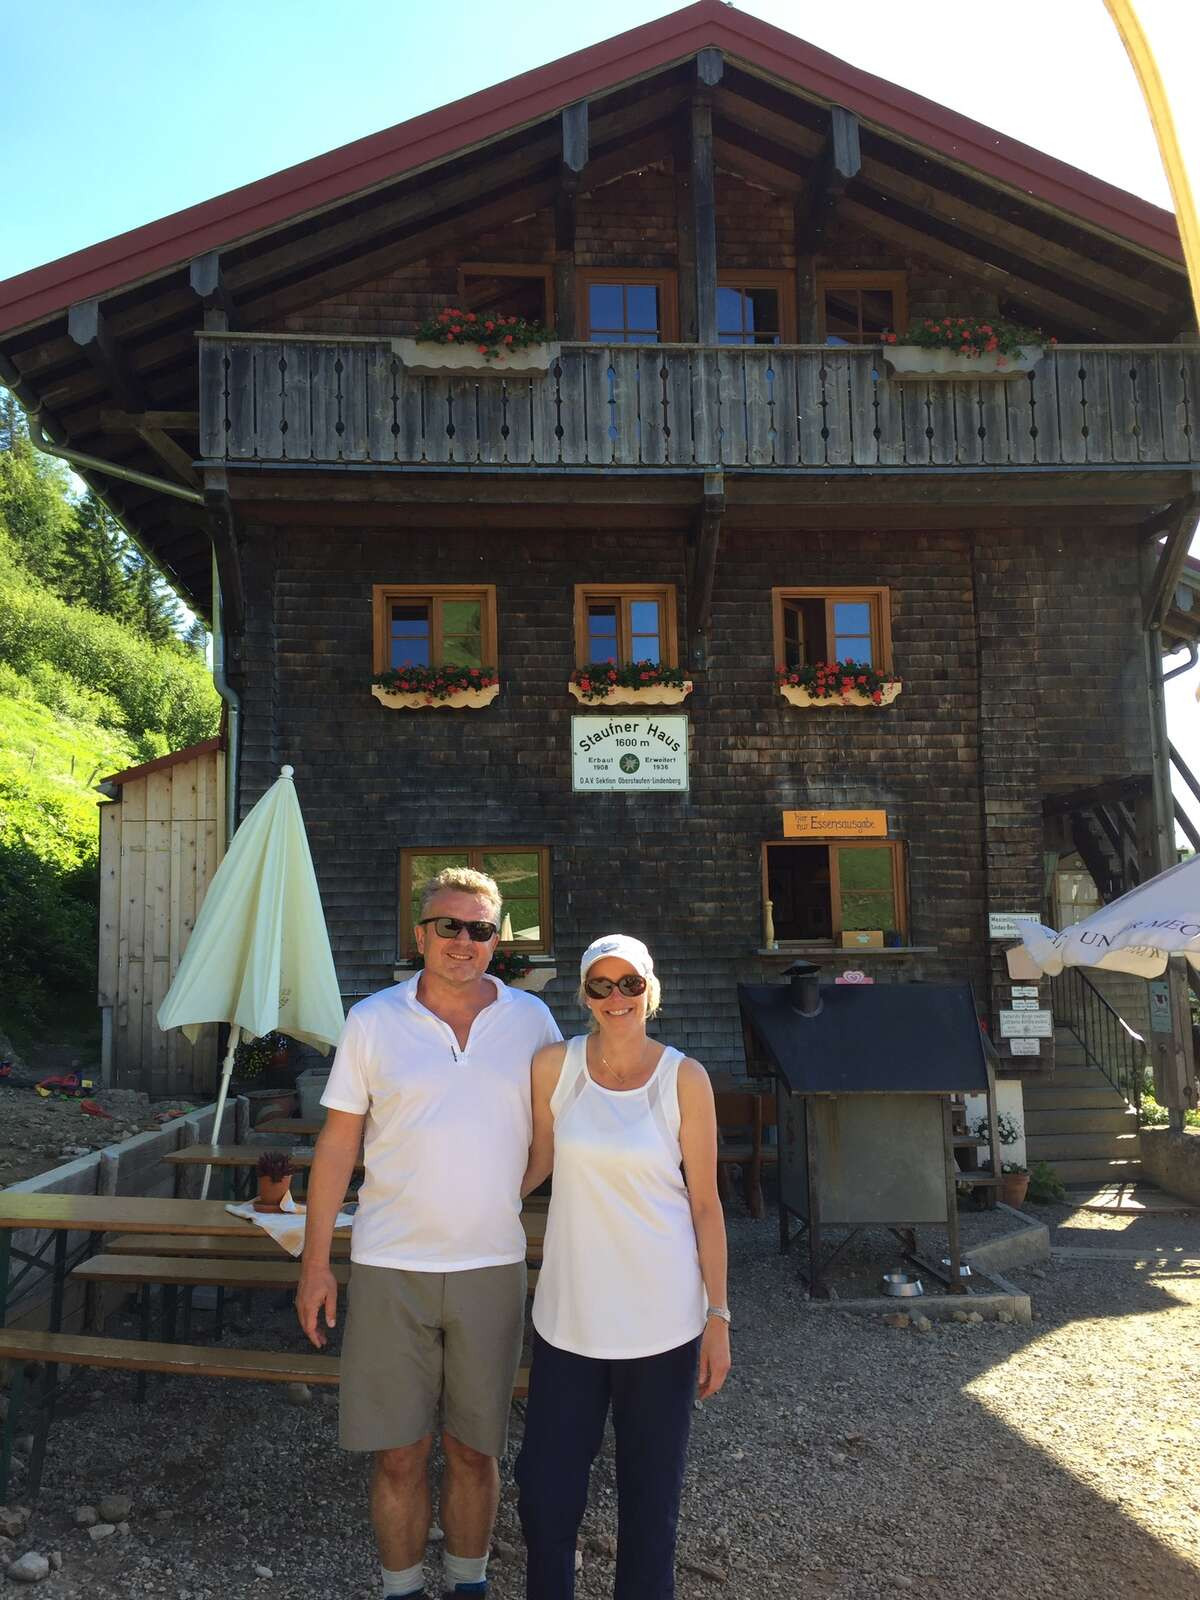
column 1108, row 1041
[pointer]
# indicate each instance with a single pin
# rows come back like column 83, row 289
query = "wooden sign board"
column 835, row 825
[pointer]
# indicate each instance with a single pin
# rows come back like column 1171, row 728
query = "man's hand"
column 715, row 1359
column 318, row 1288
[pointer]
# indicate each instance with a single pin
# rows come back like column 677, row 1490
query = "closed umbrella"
column 1137, row 933
column 259, row 956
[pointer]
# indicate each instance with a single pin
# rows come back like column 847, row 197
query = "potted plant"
column 413, row 688
column 1014, row 1178
column 264, row 1074
column 965, row 347
column 629, row 683
column 275, row 1172
column 476, row 344
column 837, row 684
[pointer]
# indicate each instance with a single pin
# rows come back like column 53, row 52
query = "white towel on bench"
column 286, row 1226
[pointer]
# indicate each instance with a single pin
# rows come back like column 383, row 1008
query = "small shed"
column 162, row 836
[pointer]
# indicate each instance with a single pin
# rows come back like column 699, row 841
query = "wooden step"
column 1059, row 1147
column 1116, row 1119
column 1067, row 1077
column 1051, row 1096
column 1097, row 1172
column 189, row 1360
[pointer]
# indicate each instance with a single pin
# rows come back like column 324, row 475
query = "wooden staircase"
column 1077, row 1121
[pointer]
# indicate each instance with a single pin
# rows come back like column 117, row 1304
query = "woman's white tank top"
column 620, row 1271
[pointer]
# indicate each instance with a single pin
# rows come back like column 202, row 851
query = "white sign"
column 1004, row 924
column 1025, row 1005
column 1160, row 1005
column 626, row 752
column 1025, row 991
column 1031, row 1024
column 1025, row 1047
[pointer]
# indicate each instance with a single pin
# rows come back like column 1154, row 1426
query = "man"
column 434, row 1075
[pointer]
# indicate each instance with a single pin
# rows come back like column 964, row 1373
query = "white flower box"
column 654, row 694
column 796, row 695
column 472, row 699
column 914, row 361
column 423, row 358
column 535, row 980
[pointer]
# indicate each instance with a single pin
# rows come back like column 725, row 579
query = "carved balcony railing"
column 303, row 399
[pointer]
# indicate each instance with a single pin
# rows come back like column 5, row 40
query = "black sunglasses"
column 630, row 985
column 451, row 927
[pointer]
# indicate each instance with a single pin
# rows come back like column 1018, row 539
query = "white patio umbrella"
column 1137, row 933
column 259, row 956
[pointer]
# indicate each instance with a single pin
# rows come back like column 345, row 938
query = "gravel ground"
column 38, row 1134
column 845, row 1460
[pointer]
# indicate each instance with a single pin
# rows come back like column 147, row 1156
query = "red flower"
column 585, row 684
column 508, row 338
column 456, row 327
column 489, row 327
column 471, row 317
column 877, row 697
column 449, row 338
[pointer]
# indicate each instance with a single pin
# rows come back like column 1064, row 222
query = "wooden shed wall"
column 160, row 845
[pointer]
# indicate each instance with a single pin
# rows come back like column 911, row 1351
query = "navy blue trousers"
column 569, row 1398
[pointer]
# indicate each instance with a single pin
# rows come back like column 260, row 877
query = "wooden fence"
column 160, row 844
column 306, row 399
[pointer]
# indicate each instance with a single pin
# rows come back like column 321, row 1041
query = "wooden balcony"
column 678, row 407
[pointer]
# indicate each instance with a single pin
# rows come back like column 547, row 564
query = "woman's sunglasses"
column 451, row 927
column 630, row 985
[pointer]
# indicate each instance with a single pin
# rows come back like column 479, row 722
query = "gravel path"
column 845, row 1460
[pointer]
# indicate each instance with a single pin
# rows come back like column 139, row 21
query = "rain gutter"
column 1193, row 651
column 77, row 458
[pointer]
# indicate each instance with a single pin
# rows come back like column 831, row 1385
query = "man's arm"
column 333, row 1165
column 544, row 1071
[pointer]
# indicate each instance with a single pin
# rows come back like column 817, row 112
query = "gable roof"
column 356, row 168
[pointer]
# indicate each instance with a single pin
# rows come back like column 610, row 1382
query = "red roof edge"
column 204, row 748
column 268, row 202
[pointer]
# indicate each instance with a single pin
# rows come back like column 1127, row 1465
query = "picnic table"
column 236, row 1161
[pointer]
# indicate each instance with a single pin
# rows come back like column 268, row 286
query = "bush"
column 1045, row 1185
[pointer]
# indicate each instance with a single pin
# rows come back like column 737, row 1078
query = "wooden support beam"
column 575, row 136
column 135, row 421
column 685, row 232
column 703, row 567
column 1161, row 589
column 574, row 161
column 840, row 163
column 206, row 280
column 704, row 214
column 88, row 327
column 710, row 66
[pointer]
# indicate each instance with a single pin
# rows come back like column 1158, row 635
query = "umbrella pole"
column 235, row 1033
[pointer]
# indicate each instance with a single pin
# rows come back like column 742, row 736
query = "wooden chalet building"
column 718, row 469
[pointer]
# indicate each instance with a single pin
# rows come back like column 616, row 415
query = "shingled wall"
column 1020, row 657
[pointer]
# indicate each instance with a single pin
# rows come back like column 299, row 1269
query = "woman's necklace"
column 615, row 1073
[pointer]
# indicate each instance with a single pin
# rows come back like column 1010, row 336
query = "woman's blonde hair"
column 464, row 880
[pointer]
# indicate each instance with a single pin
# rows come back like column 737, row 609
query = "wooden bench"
column 257, row 1242
column 183, row 1271
column 140, row 1356
column 742, row 1116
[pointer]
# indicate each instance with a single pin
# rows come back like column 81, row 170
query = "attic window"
column 509, row 287
column 858, row 307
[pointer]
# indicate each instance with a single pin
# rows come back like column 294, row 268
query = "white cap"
column 624, row 948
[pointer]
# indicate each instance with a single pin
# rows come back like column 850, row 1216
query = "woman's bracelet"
column 720, row 1311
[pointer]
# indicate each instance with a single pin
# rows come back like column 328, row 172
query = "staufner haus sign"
column 624, row 753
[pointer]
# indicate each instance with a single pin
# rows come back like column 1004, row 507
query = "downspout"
column 1193, row 651
column 233, row 702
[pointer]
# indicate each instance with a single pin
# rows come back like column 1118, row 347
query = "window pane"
column 849, row 647
column 868, row 911
column 762, row 314
column 865, row 869
column 516, row 874
column 729, row 314
column 424, row 867
column 841, row 314
column 643, row 616
column 852, row 616
column 798, row 888
column 462, row 633
column 868, row 898
column 604, row 306
column 641, row 306
column 602, row 630
column 877, row 312
column 409, row 643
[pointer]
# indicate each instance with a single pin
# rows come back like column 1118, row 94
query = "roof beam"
column 207, row 282
column 703, row 566
column 704, row 211
column 135, row 421
column 1180, row 519
column 839, row 165
column 574, row 160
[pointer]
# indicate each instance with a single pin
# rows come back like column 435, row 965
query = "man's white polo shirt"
column 447, row 1130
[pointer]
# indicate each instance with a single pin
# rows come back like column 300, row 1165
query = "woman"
column 630, row 1302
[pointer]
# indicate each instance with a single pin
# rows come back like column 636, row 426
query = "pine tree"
column 34, row 505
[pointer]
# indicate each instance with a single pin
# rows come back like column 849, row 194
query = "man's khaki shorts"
column 417, row 1340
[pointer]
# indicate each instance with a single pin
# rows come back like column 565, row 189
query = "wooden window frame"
column 878, row 596
column 894, row 283
column 666, row 279
column 623, row 593
column 383, row 595
column 406, row 934
column 511, row 269
column 899, row 853
column 784, row 284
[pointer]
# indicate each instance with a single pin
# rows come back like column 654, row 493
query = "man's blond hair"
column 463, row 880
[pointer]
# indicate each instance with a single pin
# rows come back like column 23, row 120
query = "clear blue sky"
column 116, row 112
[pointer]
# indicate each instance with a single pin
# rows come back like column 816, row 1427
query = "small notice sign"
column 1004, row 924
column 1029, row 1024
column 1024, row 991
column 1025, row 1005
column 1160, row 1005
column 835, row 825
column 1025, row 1047
column 626, row 752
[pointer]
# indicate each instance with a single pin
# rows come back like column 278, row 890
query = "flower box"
column 796, row 695
column 653, row 694
column 535, row 980
column 423, row 358
column 419, row 700
column 915, row 361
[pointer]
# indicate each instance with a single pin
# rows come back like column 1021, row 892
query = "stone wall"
column 1172, row 1161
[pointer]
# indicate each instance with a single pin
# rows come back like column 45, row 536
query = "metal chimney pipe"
column 804, row 984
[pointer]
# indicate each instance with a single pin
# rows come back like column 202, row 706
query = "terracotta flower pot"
column 271, row 1192
column 1014, row 1186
